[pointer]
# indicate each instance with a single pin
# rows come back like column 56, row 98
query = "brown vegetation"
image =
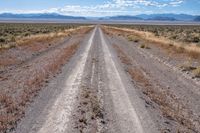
column 122, row 55
column 88, row 111
column 145, row 46
column 197, row 72
column 133, row 38
column 30, row 78
column 190, row 49
column 168, row 103
column 180, row 33
column 13, row 35
column 32, row 46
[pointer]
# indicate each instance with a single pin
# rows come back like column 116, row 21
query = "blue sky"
column 101, row 7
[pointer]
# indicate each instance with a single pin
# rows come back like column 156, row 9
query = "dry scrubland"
column 185, row 38
column 28, row 62
column 178, row 54
column 12, row 34
column 32, row 54
column 177, row 40
column 182, row 33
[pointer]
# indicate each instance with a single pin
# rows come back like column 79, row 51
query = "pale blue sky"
column 101, row 7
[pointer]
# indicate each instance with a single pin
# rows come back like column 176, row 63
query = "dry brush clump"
column 9, row 112
column 187, row 66
column 168, row 103
column 144, row 46
column 196, row 72
column 88, row 112
column 133, row 38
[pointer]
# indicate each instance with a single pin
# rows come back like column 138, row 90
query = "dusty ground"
column 164, row 86
column 110, row 85
column 26, row 69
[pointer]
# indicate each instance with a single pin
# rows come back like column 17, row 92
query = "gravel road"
column 92, row 94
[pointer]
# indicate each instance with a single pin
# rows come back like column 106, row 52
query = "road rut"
column 92, row 94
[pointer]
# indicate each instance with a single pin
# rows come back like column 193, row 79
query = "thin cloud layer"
column 115, row 7
column 111, row 7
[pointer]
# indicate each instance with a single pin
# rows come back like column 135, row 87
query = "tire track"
column 58, row 116
column 127, row 117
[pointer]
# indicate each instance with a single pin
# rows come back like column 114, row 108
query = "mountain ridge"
column 158, row 17
column 38, row 16
column 145, row 17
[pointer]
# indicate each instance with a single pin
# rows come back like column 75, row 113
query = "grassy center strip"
column 88, row 111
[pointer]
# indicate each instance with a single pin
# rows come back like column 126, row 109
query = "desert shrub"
column 9, row 32
column 187, row 66
column 196, row 72
column 195, row 39
column 12, row 39
column 144, row 46
column 183, row 33
column 26, row 34
column 2, row 40
column 133, row 38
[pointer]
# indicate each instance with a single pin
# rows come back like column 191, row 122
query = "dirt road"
column 95, row 93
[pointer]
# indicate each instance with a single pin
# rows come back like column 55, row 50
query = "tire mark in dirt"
column 58, row 116
column 169, row 104
column 122, row 104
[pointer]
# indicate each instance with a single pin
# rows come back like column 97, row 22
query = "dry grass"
column 187, row 66
column 36, row 45
column 44, row 37
column 88, row 111
column 7, row 46
column 48, row 37
column 9, row 112
column 122, row 55
column 144, row 46
column 180, row 33
column 12, row 108
column 133, row 38
column 196, row 72
column 191, row 49
column 10, row 32
column 20, row 86
column 168, row 103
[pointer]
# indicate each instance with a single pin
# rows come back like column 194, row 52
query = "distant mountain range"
column 197, row 18
column 156, row 17
column 121, row 18
column 180, row 17
column 145, row 17
column 38, row 16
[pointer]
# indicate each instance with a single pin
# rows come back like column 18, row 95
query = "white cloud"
column 176, row 2
column 111, row 7
column 115, row 7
